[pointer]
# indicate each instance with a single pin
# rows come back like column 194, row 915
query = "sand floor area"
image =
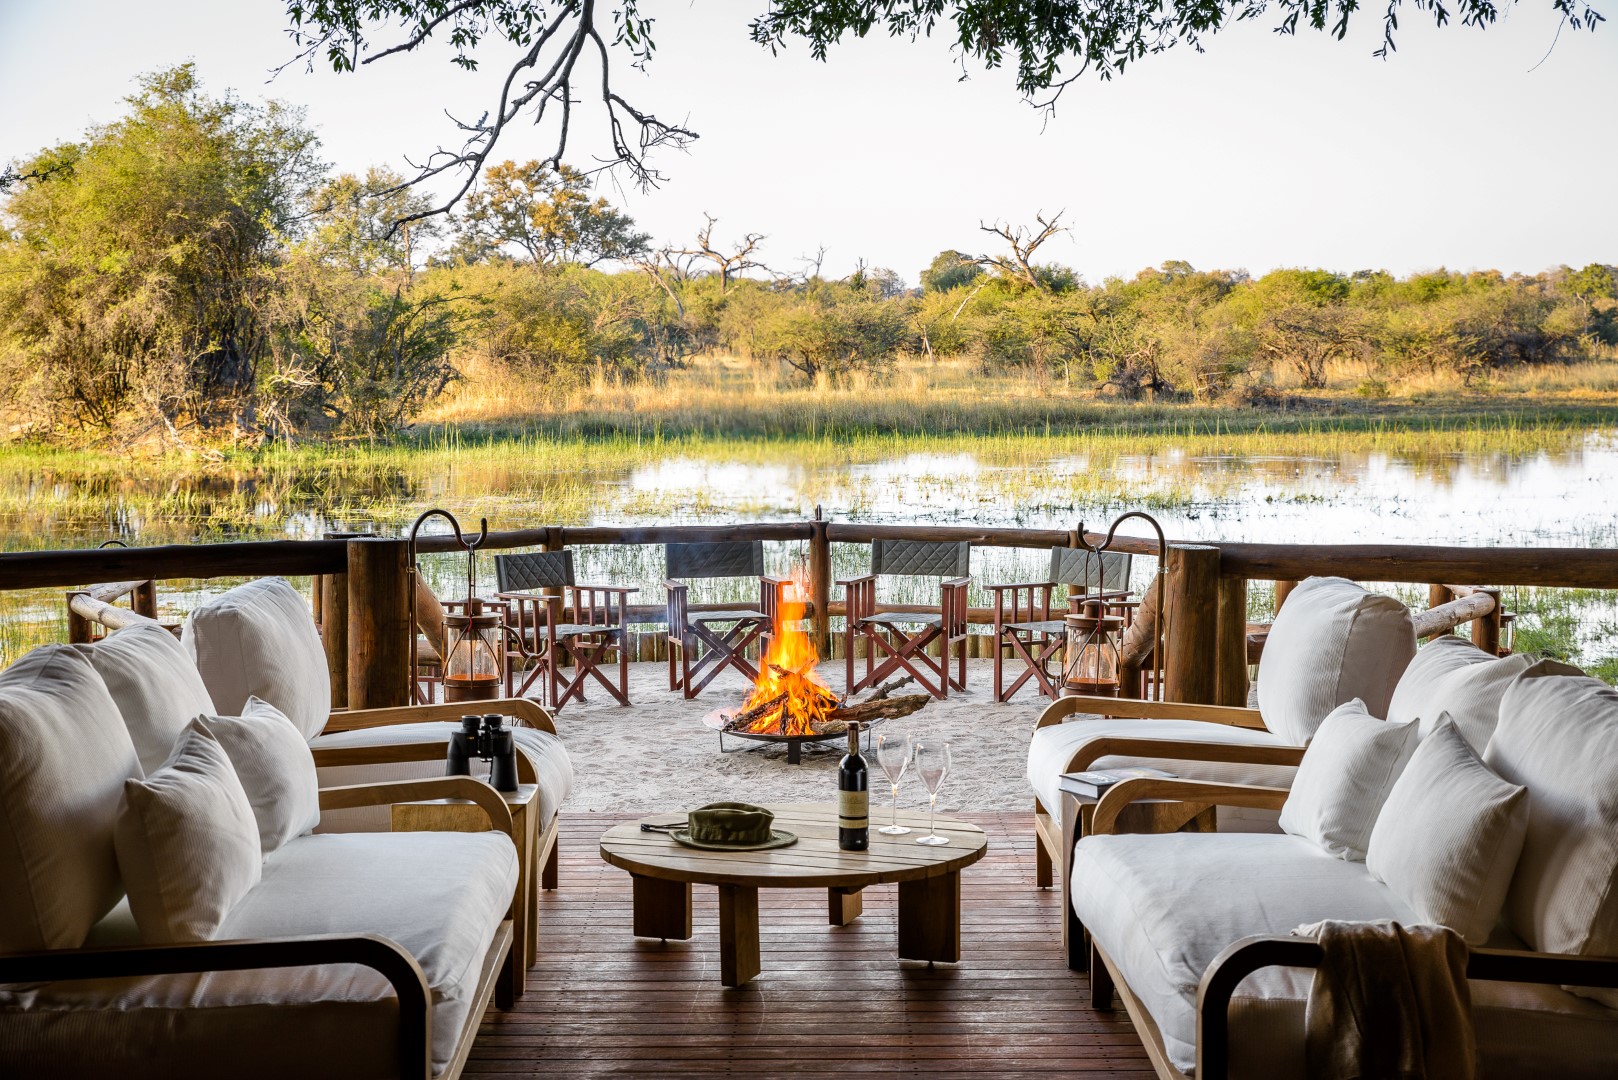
column 657, row 755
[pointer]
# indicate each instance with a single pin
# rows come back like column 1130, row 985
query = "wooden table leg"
column 662, row 908
column 844, row 905
column 1073, row 943
column 930, row 919
column 738, row 934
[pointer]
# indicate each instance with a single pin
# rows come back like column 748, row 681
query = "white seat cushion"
column 1163, row 907
column 187, row 843
column 1450, row 674
column 64, row 757
column 259, row 640
column 1331, row 642
column 1558, row 737
column 1053, row 747
column 440, row 895
column 155, row 684
column 275, row 767
column 1347, row 772
column 551, row 765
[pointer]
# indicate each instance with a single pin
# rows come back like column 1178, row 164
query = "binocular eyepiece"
column 488, row 739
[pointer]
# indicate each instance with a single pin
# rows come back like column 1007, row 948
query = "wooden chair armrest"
column 385, row 957
column 1020, row 585
column 1125, row 792
column 956, row 583
column 1129, row 708
column 393, row 753
column 1170, row 749
column 1242, row 958
column 860, row 580
column 525, row 709
column 621, row 590
column 424, row 789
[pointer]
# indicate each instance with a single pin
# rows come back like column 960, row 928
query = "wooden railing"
column 362, row 599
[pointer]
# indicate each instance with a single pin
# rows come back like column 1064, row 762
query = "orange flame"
column 787, row 671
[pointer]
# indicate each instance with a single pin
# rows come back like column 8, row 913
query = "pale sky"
column 1458, row 151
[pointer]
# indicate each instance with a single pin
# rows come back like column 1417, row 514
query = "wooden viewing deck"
column 831, row 1002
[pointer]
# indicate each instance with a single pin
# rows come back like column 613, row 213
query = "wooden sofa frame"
column 1241, row 958
column 496, row 978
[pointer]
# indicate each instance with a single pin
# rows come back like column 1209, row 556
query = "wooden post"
column 1192, row 611
column 1283, row 589
column 1486, row 630
column 378, row 623
column 1231, row 643
column 78, row 627
column 820, row 584
column 144, row 599
column 553, row 542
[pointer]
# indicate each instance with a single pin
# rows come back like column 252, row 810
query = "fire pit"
column 790, row 704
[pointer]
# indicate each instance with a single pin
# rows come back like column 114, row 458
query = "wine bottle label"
column 853, row 809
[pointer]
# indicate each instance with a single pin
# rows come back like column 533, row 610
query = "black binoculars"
column 488, row 739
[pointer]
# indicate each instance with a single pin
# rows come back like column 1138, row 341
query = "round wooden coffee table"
column 929, row 880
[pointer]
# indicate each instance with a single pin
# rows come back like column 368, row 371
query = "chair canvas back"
column 530, row 571
column 921, row 558
column 737, row 558
column 1077, row 566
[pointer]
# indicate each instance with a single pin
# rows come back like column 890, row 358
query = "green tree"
column 139, row 262
column 547, row 214
column 950, row 270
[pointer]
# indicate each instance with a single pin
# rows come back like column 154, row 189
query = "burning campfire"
column 790, row 701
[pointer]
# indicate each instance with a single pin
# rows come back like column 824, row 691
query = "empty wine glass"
column 893, row 754
column 932, row 762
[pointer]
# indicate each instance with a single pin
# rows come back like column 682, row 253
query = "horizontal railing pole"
column 859, row 533
column 1446, row 617
column 1573, row 568
column 572, row 536
column 99, row 611
column 248, row 558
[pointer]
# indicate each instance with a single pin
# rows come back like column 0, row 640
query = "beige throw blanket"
column 1389, row 1002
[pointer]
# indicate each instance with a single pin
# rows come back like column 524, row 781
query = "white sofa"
column 381, row 952
column 1331, row 642
column 1187, row 926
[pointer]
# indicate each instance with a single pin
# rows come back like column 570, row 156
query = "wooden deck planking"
column 830, row 1002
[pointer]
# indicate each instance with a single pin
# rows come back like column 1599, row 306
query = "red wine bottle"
column 853, row 797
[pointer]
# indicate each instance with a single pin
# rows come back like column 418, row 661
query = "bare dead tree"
column 727, row 264
column 564, row 59
column 812, row 263
column 1024, row 242
column 668, row 268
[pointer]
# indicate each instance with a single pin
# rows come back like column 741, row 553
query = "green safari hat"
column 730, row 826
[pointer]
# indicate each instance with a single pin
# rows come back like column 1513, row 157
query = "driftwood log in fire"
column 882, row 706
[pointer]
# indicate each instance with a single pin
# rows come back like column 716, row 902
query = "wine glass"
column 893, row 754
column 932, row 762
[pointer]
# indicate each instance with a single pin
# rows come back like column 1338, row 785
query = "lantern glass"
column 1090, row 665
column 473, row 661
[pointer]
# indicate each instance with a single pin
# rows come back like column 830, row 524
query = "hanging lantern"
column 1090, row 665
column 474, row 654
column 473, row 650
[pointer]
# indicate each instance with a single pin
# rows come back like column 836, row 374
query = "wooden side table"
column 1144, row 816
column 459, row 815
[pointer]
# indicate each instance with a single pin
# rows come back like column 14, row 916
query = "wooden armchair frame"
column 882, row 630
column 1050, row 852
column 690, row 631
column 584, row 629
column 499, row 979
column 1247, row 955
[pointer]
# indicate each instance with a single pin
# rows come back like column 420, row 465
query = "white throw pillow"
column 276, row 770
column 187, row 843
column 1347, row 771
column 259, row 640
column 64, row 757
column 1451, row 675
column 1331, row 642
column 1447, row 840
column 1558, row 736
column 155, row 684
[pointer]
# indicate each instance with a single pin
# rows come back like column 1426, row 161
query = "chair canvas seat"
column 738, row 615
column 1048, row 626
column 918, row 618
